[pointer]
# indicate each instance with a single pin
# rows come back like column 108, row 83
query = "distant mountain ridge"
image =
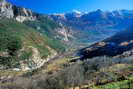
column 98, row 17
column 95, row 25
column 98, row 13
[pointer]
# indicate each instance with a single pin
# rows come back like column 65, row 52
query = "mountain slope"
column 112, row 46
column 35, row 47
column 50, row 28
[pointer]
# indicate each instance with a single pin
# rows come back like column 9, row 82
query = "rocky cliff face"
column 13, row 12
column 64, row 33
column 6, row 9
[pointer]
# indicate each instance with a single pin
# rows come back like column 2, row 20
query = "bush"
column 74, row 75
column 49, row 82
column 10, row 44
column 14, row 45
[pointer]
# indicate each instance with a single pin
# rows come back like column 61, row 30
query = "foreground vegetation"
column 96, row 73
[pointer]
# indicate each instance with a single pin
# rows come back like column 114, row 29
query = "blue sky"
column 60, row 6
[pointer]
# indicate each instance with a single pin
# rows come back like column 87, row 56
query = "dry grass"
column 57, row 64
column 117, row 67
column 11, row 73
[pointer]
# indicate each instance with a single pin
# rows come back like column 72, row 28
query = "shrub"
column 9, row 42
column 14, row 45
column 74, row 75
